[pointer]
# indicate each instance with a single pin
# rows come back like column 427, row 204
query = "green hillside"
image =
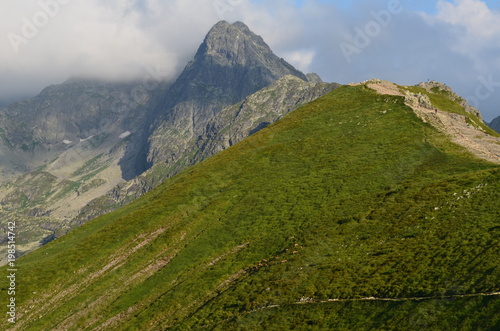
column 312, row 223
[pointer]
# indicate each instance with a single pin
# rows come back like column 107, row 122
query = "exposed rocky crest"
column 463, row 129
column 433, row 86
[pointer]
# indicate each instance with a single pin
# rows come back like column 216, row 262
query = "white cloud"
column 474, row 15
column 472, row 30
column 301, row 59
column 114, row 39
column 474, row 26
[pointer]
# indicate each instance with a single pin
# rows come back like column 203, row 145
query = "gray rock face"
column 495, row 124
column 231, row 63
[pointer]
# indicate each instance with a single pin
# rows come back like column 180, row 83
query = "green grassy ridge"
column 351, row 182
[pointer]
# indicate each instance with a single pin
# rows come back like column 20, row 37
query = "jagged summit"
column 234, row 44
column 223, row 34
column 231, row 63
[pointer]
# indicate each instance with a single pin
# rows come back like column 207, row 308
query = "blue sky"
column 428, row 6
column 453, row 41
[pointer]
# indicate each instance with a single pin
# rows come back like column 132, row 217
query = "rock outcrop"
column 462, row 125
column 436, row 87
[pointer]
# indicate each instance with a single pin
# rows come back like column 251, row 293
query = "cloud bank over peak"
column 52, row 40
column 45, row 42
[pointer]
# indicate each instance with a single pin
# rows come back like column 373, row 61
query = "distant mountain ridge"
column 40, row 129
column 70, row 111
column 495, row 124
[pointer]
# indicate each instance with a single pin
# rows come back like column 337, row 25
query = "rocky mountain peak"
column 234, row 44
column 231, row 63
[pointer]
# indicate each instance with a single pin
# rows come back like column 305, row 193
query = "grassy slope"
column 348, row 197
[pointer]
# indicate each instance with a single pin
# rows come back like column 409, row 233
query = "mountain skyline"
column 255, row 191
column 86, row 145
column 417, row 42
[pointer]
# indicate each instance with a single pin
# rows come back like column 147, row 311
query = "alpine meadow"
column 349, row 213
